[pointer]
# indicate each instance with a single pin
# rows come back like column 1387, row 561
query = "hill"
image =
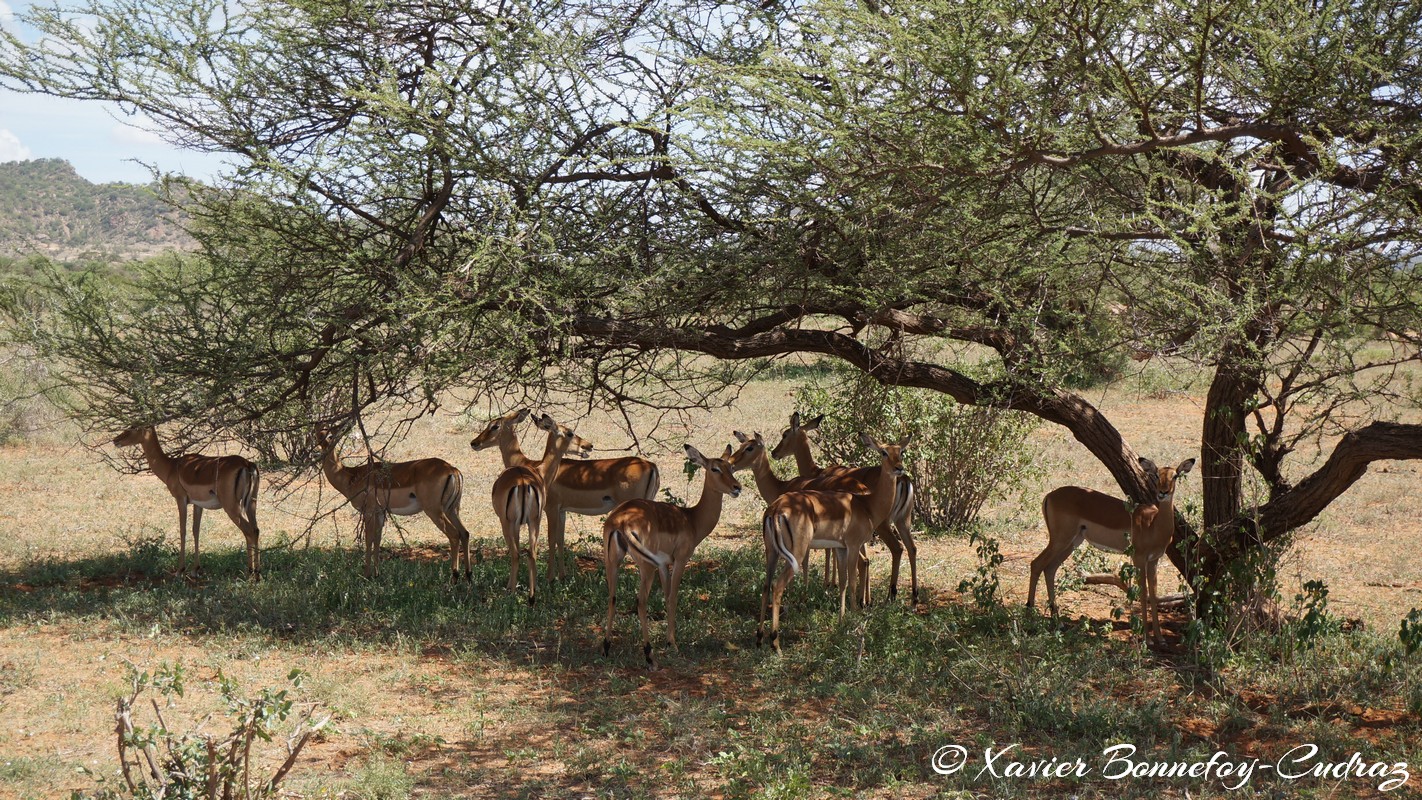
column 47, row 208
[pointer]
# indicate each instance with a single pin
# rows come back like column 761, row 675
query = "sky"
column 102, row 143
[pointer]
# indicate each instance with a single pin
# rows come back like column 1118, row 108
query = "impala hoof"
column 647, row 654
column 532, row 599
column 759, row 635
column 606, row 647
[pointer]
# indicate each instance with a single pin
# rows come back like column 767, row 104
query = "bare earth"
column 465, row 724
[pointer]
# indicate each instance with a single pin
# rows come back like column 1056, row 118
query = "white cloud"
column 11, row 149
column 7, row 15
column 132, row 135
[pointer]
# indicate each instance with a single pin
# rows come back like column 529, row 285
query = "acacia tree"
column 458, row 194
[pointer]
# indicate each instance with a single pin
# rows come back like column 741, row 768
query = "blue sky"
column 100, row 141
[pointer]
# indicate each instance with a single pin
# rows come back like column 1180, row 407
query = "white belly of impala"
column 403, row 505
column 209, row 501
column 1112, row 540
column 826, row 544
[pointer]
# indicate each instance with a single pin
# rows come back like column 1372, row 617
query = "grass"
column 441, row 689
column 852, row 707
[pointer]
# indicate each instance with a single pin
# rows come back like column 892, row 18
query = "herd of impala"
column 836, row 508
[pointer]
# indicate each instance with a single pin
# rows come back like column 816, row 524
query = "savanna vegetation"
column 645, row 210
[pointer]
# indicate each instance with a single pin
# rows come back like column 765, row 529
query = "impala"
column 226, row 482
column 661, row 537
column 752, row 454
column 845, row 522
column 378, row 489
column 1074, row 515
column 581, row 487
column 896, row 532
column 520, row 494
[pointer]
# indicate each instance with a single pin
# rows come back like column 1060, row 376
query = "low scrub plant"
column 961, row 456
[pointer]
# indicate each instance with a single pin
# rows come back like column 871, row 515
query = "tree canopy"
column 591, row 195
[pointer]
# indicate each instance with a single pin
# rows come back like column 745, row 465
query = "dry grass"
column 477, row 718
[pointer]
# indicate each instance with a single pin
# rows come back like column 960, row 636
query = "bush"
column 961, row 456
column 158, row 762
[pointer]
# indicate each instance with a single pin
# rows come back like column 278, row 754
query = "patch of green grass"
column 852, row 706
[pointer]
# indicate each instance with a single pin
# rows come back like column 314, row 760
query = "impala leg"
column 240, row 503
column 850, row 580
column 1151, row 565
column 533, row 534
column 772, row 558
column 862, row 565
column 1046, row 563
column 905, row 532
column 891, row 540
column 777, row 594
column 197, row 527
column 612, row 564
column 644, row 591
column 374, row 524
column 510, row 528
column 671, row 593
column 1143, row 584
column 557, row 551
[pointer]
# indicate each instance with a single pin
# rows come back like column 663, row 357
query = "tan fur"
column 580, row 487
column 896, row 532
column 660, row 538
column 378, row 489
column 796, row 519
column 520, row 494
column 1074, row 514
column 230, row 481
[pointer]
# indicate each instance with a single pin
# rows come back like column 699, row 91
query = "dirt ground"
column 58, row 681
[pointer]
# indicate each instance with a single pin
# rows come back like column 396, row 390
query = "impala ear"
column 868, row 441
column 1185, row 466
column 795, row 420
column 1147, row 465
column 546, row 423
column 813, row 424
column 904, row 442
column 726, row 456
column 695, row 455
column 760, row 439
column 740, row 437
column 521, row 415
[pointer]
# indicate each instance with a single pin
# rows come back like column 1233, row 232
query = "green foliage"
column 1411, row 632
column 983, row 585
column 960, row 458
column 160, row 763
column 46, row 206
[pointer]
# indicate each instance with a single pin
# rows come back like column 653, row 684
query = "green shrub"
column 961, row 456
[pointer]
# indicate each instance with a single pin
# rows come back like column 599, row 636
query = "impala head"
column 1163, row 479
column 795, row 434
column 751, row 449
column 893, row 454
column 498, row 428
column 579, row 446
column 133, row 436
column 720, row 475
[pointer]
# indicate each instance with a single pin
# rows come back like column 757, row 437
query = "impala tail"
column 451, row 494
column 777, row 531
column 654, row 482
column 524, row 504
column 249, row 480
column 903, row 498
column 629, row 541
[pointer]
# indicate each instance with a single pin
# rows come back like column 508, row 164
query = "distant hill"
column 47, row 208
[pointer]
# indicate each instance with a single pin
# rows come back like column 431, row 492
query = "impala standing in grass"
column 580, row 487
column 660, row 538
column 378, row 489
column 226, row 482
column 1074, row 515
